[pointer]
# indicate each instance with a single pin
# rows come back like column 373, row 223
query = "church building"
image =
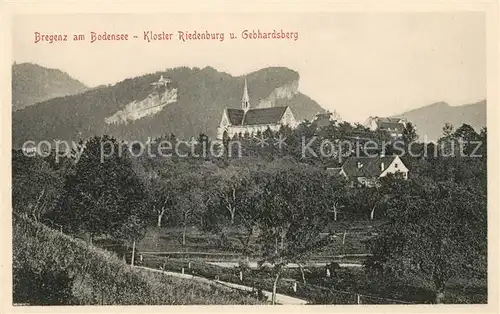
column 246, row 120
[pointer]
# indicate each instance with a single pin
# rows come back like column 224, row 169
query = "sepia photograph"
column 307, row 158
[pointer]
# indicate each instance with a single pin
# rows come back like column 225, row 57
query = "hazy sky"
column 359, row 64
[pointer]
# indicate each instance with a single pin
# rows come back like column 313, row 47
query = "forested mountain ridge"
column 201, row 96
column 32, row 83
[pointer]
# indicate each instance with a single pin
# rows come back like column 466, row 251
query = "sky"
column 359, row 64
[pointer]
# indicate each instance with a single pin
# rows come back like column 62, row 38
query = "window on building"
column 396, row 165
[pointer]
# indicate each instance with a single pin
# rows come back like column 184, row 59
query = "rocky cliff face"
column 149, row 106
column 285, row 92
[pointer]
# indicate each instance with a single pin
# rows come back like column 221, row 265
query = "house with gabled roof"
column 367, row 171
column 336, row 172
column 251, row 121
column 394, row 126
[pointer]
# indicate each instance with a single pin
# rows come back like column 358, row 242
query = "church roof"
column 264, row 115
column 256, row 116
column 235, row 116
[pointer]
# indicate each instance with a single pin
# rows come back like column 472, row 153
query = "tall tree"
column 36, row 186
column 103, row 193
column 160, row 198
column 483, row 137
column 228, row 186
column 295, row 207
column 409, row 135
column 189, row 202
column 447, row 129
column 469, row 139
column 448, row 144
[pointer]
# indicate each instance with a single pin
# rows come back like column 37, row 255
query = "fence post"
column 182, row 270
column 358, row 298
column 343, row 244
column 295, row 287
column 133, row 254
column 241, row 275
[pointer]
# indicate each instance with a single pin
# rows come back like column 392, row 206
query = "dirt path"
column 253, row 265
column 280, row 298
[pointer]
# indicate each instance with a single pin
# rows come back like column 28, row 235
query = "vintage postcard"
column 328, row 157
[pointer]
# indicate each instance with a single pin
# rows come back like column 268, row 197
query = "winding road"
column 280, row 298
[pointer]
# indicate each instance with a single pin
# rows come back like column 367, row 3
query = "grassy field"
column 50, row 268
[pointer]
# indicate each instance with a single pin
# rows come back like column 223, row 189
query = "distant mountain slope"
column 195, row 107
column 32, row 83
column 430, row 119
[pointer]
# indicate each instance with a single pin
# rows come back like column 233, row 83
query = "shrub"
column 44, row 288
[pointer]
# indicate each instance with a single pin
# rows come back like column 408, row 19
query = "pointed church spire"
column 245, row 101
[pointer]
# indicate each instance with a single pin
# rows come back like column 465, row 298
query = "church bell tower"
column 245, row 101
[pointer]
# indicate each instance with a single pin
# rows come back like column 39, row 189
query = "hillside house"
column 368, row 170
column 394, row 126
column 162, row 82
column 246, row 120
column 336, row 172
column 322, row 119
